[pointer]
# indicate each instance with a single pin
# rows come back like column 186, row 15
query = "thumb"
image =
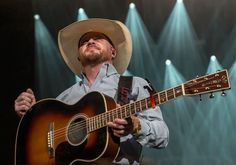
column 29, row 90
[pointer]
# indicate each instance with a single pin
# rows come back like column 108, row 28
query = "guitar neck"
column 205, row 84
column 130, row 109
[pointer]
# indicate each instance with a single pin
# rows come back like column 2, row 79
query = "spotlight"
column 179, row 1
column 168, row 62
column 36, row 16
column 131, row 5
column 213, row 58
column 81, row 10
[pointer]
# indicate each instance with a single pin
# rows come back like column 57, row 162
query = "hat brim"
column 118, row 33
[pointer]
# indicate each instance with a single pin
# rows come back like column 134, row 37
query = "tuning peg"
column 211, row 96
column 223, row 93
column 200, row 96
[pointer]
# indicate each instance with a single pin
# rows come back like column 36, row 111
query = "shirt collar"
column 105, row 71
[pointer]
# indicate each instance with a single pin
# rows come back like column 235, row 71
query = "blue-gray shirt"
column 154, row 132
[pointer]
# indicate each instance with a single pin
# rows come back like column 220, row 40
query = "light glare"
column 131, row 5
column 179, row 1
column 81, row 10
column 213, row 58
column 168, row 62
column 36, row 16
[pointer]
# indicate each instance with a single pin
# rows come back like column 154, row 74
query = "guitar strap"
column 124, row 89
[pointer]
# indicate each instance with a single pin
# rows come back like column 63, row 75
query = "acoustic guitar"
column 55, row 133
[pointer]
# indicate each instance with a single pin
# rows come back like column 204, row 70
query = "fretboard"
column 125, row 111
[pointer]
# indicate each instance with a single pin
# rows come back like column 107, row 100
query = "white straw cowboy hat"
column 118, row 33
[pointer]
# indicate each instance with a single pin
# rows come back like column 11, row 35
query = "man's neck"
column 91, row 72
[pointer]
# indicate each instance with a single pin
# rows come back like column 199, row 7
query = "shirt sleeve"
column 154, row 131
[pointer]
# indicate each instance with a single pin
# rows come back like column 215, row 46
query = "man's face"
column 95, row 48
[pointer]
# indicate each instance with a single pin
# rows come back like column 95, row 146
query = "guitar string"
column 61, row 131
column 82, row 125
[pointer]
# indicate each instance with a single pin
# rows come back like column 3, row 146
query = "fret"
column 108, row 116
column 156, row 99
column 130, row 112
column 149, row 103
column 159, row 98
column 163, row 97
column 143, row 105
column 166, row 95
column 118, row 113
column 132, row 108
column 135, row 109
column 98, row 121
column 123, row 112
column 113, row 115
column 178, row 91
column 103, row 119
column 139, row 106
column 146, row 103
column 88, row 125
column 173, row 89
column 92, row 124
column 170, row 94
column 126, row 111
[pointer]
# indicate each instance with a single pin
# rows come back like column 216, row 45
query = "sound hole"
column 77, row 131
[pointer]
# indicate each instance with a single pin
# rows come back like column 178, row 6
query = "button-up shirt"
column 154, row 132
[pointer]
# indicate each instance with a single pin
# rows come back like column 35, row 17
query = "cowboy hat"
column 118, row 33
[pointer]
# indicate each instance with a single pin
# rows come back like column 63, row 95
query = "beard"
column 93, row 57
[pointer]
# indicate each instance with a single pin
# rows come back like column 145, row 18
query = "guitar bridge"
column 50, row 139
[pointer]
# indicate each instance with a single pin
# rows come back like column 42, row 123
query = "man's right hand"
column 24, row 102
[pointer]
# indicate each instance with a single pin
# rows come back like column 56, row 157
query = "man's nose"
column 91, row 41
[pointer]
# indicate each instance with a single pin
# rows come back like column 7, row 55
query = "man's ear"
column 113, row 52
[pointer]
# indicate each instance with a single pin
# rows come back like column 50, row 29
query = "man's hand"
column 24, row 102
column 123, row 127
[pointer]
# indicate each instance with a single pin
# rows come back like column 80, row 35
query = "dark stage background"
column 17, row 39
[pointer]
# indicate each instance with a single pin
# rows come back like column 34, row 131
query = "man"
column 99, row 50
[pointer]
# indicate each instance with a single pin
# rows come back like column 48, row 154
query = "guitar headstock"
column 217, row 81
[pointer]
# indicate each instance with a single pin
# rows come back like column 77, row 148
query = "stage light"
column 168, row 62
column 177, row 42
column 81, row 15
column 36, row 17
column 131, row 5
column 48, row 64
column 142, row 47
column 81, row 10
column 213, row 65
column 179, row 1
column 213, row 58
